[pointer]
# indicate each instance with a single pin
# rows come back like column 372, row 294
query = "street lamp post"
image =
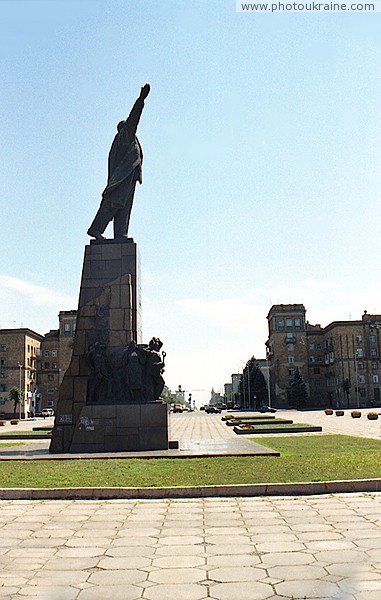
column 357, row 383
column 20, row 392
column 268, row 383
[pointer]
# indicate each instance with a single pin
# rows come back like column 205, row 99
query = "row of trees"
column 253, row 392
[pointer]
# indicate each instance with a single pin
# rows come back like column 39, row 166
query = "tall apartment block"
column 19, row 353
column 343, row 351
column 55, row 355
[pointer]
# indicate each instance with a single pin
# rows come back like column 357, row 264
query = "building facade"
column 55, row 356
column 340, row 363
column 19, row 354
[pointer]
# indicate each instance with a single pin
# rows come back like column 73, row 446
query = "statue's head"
column 120, row 126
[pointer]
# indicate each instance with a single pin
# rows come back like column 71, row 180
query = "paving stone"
column 178, row 575
column 237, row 560
column 242, row 591
column 166, row 562
column 88, row 551
column 180, row 591
column 237, row 574
column 297, row 572
column 183, row 550
column 50, row 592
column 308, row 589
column 125, row 562
column 68, row 564
column 111, row 592
column 287, row 558
column 177, row 540
column 143, row 551
column 280, row 547
column 117, row 577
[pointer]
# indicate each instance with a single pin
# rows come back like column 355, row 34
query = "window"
column 74, row 326
column 280, row 324
column 373, row 352
column 360, row 364
column 3, row 375
column 289, row 335
column 291, row 371
column 3, row 362
column 3, row 347
column 47, row 365
column 318, row 382
column 290, row 346
column 291, row 359
column 318, row 346
column 297, row 322
column 2, row 401
column 288, row 322
column 372, row 339
column 67, row 327
column 54, row 365
column 358, row 339
column 50, row 390
column 361, row 378
column 50, row 403
column 312, row 359
column 374, row 366
column 311, row 346
column 2, row 387
column 375, row 378
column 50, row 377
column 54, row 352
column 359, row 352
column 317, row 370
column 320, row 359
column 46, row 353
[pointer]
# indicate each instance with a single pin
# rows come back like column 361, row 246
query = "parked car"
column 212, row 409
column 47, row 412
column 177, row 408
column 264, row 409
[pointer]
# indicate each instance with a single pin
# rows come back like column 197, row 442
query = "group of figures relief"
column 129, row 375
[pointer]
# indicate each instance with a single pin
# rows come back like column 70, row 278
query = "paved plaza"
column 222, row 549
column 326, row 546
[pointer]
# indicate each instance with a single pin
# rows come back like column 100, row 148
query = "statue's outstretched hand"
column 145, row 91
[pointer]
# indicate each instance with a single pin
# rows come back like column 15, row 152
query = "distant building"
column 19, row 352
column 56, row 351
column 343, row 351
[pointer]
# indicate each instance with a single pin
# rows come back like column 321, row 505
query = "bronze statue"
column 124, row 170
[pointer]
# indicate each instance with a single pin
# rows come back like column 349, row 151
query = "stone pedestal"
column 109, row 312
column 121, row 428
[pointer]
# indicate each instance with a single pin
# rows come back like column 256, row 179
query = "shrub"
column 339, row 413
column 372, row 416
column 355, row 414
column 328, row 411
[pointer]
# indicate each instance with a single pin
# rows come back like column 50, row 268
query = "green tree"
column 252, row 385
column 15, row 395
column 298, row 393
column 346, row 387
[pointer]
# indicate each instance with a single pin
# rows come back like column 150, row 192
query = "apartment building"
column 340, row 363
column 19, row 353
column 55, row 356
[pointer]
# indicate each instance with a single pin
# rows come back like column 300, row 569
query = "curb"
column 255, row 489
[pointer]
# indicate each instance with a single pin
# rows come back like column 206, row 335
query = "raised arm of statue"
column 136, row 111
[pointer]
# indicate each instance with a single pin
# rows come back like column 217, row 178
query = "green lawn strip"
column 25, row 433
column 304, row 458
column 3, row 444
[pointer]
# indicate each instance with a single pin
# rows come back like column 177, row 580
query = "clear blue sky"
column 262, row 168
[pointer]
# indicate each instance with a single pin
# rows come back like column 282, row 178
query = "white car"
column 47, row 412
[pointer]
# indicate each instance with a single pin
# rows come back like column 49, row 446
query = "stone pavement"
column 222, row 549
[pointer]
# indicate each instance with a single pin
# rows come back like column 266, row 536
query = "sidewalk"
column 221, row 549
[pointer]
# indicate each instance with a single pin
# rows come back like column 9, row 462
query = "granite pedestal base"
column 121, row 428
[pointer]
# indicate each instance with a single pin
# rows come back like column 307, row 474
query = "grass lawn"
column 16, row 433
column 303, row 458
